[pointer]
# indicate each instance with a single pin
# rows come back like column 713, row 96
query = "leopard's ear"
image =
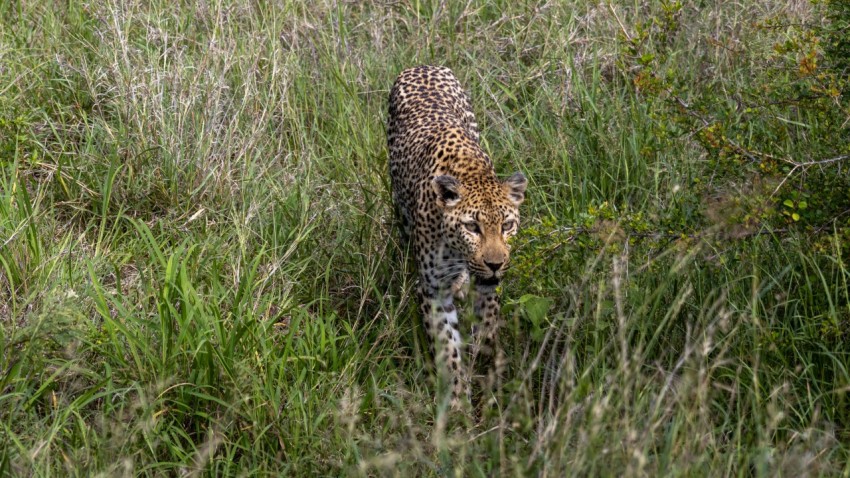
column 515, row 188
column 447, row 189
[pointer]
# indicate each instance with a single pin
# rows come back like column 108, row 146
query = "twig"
column 622, row 27
column 756, row 155
column 759, row 230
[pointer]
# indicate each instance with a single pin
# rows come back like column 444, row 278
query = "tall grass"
column 199, row 271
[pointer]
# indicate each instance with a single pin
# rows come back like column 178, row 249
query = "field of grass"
column 200, row 273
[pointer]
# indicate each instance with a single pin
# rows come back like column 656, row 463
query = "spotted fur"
column 452, row 207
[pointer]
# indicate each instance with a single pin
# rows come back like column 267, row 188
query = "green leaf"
column 795, row 216
column 535, row 307
column 646, row 58
column 788, row 203
column 802, row 205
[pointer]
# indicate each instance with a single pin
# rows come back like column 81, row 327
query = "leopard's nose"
column 494, row 266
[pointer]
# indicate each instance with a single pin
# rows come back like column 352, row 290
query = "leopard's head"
column 479, row 216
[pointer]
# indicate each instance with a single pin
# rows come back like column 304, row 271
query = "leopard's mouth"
column 486, row 275
column 492, row 280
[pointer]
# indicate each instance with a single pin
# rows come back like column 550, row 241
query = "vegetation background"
column 199, row 272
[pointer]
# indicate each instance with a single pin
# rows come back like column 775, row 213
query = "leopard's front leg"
column 486, row 353
column 440, row 318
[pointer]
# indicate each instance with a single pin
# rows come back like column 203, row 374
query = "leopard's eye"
column 472, row 227
column 508, row 226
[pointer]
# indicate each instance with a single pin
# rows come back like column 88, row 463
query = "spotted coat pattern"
column 457, row 214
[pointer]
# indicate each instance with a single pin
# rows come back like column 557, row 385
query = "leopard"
column 456, row 218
